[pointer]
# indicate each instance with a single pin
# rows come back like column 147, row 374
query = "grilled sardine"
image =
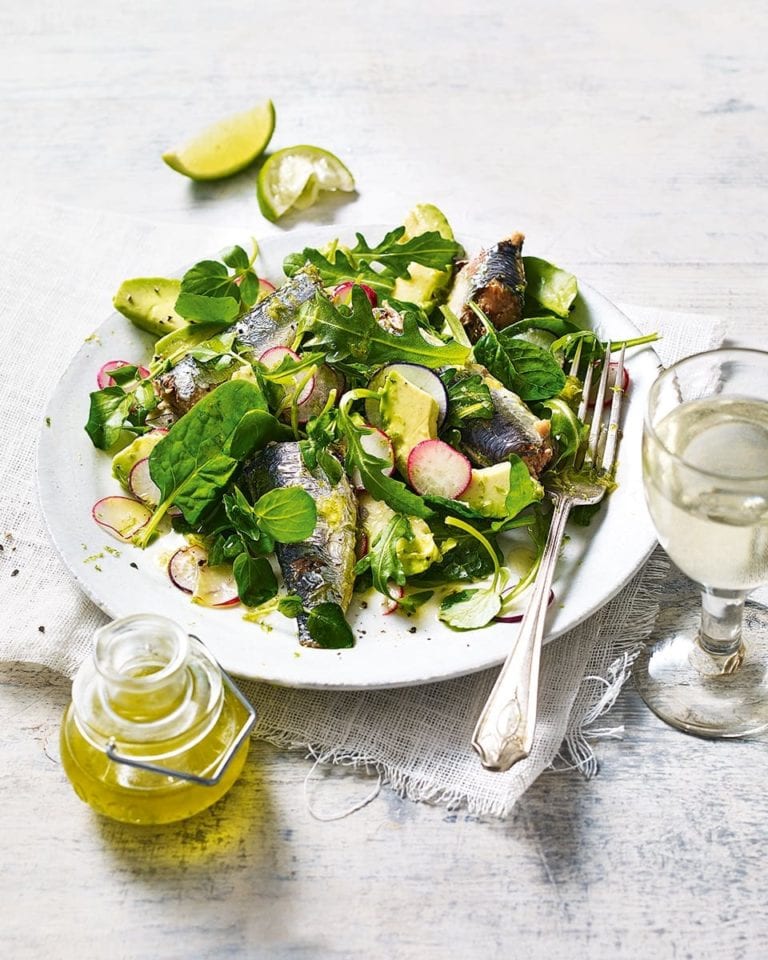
column 320, row 568
column 512, row 429
column 271, row 323
column 495, row 281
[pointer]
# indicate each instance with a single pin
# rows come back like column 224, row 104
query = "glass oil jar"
column 155, row 732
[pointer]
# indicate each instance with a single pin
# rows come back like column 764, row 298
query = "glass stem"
column 722, row 612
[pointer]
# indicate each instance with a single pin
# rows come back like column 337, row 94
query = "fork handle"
column 504, row 731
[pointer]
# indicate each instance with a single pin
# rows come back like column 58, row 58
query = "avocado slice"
column 488, row 489
column 416, row 555
column 408, row 415
column 149, row 302
column 424, row 285
column 124, row 461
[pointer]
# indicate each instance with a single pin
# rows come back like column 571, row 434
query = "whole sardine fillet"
column 320, row 568
column 271, row 323
column 495, row 281
column 513, row 428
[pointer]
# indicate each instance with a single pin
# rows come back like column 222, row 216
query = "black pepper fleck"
column 364, row 604
column 412, row 630
column 134, row 565
column 14, row 573
column 41, row 629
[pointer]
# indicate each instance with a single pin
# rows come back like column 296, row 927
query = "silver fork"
column 504, row 731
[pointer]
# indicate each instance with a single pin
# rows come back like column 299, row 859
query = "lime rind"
column 226, row 147
column 294, row 177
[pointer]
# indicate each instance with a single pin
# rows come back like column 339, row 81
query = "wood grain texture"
column 630, row 142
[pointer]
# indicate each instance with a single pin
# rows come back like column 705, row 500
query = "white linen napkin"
column 58, row 270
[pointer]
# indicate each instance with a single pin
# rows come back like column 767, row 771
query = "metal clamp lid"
column 226, row 758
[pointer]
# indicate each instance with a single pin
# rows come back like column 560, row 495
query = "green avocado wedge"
column 149, row 303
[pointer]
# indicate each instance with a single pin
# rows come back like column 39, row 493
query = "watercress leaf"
column 470, row 609
column 289, row 514
column 241, row 514
column 106, row 416
column 290, row 605
column 328, row 627
column 236, row 258
column 249, row 288
column 210, row 278
column 197, row 308
column 124, row 375
column 255, row 578
column 549, row 286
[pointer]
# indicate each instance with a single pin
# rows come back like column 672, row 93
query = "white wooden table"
column 630, row 142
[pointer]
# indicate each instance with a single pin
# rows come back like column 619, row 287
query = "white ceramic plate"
column 391, row 651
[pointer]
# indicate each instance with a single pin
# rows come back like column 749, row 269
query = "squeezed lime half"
column 296, row 176
column 227, row 146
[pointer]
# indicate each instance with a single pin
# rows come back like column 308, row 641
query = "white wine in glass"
column 705, row 469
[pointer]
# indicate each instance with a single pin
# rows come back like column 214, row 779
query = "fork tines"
column 603, row 437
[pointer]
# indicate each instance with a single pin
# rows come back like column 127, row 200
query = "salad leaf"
column 523, row 488
column 392, row 255
column 473, row 608
column 381, row 487
column 468, row 397
column 193, row 462
column 256, row 581
column 328, row 627
column 549, row 286
column 288, row 514
column 210, row 293
column 322, row 434
column 352, row 333
column 108, row 412
column 199, row 309
column 566, row 429
column 557, row 326
column 382, row 558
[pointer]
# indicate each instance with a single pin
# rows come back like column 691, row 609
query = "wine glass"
column 705, row 470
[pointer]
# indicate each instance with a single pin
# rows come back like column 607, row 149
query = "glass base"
column 704, row 695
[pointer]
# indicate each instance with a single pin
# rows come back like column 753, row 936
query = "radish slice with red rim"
column 141, row 484
column 378, row 445
column 184, row 567
column 391, row 603
column 265, row 288
column 326, row 379
column 611, row 384
column 517, row 617
column 103, row 378
column 342, row 294
column 272, row 359
column 216, row 586
column 121, row 517
column 435, row 467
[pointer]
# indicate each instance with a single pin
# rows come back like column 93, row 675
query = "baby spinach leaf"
column 328, row 627
column 108, row 411
column 549, row 286
column 468, row 397
column 200, row 309
column 529, row 371
column 193, row 462
column 523, row 488
column 256, row 581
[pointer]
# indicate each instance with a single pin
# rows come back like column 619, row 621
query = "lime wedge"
column 227, row 146
column 295, row 177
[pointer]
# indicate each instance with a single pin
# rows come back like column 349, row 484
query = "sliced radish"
column 265, row 288
column 378, row 444
column 184, row 567
column 211, row 586
column 326, row 379
column 342, row 294
column 435, row 467
column 517, row 617
column 613, row 368
column 103, row 378
column 390, row 603
column 122, row 517
column 141, row 484
column 421, row 377
column 272, row 359
column 216, row 586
